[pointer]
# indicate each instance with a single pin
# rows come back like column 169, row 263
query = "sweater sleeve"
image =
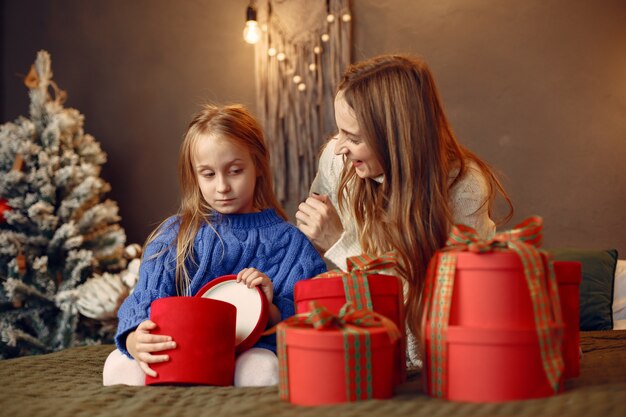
column 469, row 203
column 326, row 177
column 301, row 261
column 327, row 182
column 307, row 264
column 156, row 280
column 345, row 247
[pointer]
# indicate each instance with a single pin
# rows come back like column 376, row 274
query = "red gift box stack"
column 488, row 337
column 315, row 355
column 366, row 285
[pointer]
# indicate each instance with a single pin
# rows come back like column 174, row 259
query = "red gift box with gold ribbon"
column 326, row 358
column 492, row 325
column 367, row 284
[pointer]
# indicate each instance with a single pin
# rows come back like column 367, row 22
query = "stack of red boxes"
column 493, row 319
column 321, row 363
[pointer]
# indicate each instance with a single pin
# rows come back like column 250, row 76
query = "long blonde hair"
column 402, row 120
column 237, row 124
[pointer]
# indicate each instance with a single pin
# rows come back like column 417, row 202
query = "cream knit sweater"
column 466, row 199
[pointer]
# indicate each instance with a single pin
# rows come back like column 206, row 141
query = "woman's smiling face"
column 351, row 143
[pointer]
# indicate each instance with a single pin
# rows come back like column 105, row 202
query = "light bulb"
column 252, row 32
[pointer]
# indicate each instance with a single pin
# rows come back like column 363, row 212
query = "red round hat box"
column 385, row 292
column 490, row 290
column 494, row 365
column 204, row 332
column 569, row 275
column 317, row 369
column 251, row 305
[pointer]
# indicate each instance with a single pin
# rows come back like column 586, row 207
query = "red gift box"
column 204, row 332
column 326, row 359
column 569, row 275
column 492, row 316
column 486, row 365
column 365, row 287
column 385, row 292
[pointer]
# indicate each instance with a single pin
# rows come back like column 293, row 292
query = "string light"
column 297, row 69
column 252, row 32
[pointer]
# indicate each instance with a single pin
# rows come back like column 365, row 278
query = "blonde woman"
column 229, row 222
column 395, row 177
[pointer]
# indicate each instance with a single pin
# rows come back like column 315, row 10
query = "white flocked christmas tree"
column 64, row 268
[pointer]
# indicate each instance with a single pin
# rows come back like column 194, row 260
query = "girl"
column 395, row 177
column 229, row 222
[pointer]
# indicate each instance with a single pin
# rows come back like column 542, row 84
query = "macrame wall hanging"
column 304, row 48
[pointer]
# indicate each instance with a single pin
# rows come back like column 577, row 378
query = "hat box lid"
column 251, row 304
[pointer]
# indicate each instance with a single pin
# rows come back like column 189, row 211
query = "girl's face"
column 351, row 143
column 226, row 174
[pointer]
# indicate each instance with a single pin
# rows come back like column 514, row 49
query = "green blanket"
column 69, row 383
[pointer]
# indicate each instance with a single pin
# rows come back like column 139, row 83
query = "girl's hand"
column 319, row 221
column 141, row 344
column 252, row 277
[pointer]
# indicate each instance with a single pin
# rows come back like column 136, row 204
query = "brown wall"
column 538, row 88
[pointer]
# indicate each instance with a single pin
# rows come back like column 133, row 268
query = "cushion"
column 619, row 296
column 596, row 288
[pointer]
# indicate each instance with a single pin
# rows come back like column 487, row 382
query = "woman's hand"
column 252, row 277
column 141, row 344
column 319, row 221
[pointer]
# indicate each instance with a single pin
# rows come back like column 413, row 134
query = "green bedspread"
column 68, row 383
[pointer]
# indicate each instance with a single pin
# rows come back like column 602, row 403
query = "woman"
column 395, row 177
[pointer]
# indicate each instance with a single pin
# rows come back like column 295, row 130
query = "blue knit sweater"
column 259, row 240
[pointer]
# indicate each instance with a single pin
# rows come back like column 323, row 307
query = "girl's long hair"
column 402, row 120
column 235, row 123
